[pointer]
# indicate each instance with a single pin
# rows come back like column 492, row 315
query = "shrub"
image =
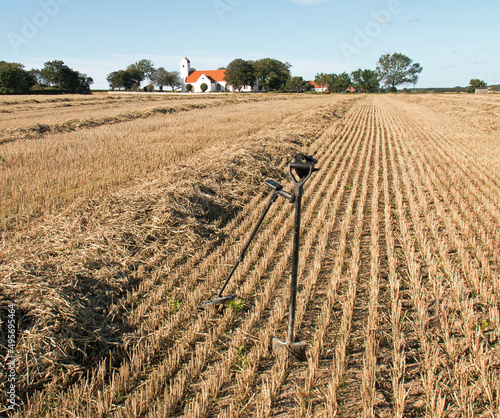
column 392, row 90
column 204, row 87
column 45, row 91
column 149, row 88
column 189, row 87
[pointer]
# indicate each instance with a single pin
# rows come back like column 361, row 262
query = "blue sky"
column 453, row 40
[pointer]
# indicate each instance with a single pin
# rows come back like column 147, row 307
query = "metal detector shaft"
column 300, row 171
column 273, row 198
column 295, row 265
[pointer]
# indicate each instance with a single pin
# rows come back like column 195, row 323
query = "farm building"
column 350, row 89
column 214, row 79
column 486, row 90
column 318, row 87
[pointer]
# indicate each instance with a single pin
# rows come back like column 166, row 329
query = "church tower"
column 185, row 68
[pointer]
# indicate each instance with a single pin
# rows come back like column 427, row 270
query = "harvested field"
column 398, row 276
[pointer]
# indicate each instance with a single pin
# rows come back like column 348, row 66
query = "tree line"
column 54, row 76
column 392, row 70
column 271, row 74
column 135, row 74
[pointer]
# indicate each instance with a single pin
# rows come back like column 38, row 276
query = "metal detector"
column 220, row 298
column 300, row 171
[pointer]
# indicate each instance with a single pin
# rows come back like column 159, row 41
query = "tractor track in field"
column 397, row 299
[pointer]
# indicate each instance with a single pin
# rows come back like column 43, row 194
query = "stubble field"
column 119, row 215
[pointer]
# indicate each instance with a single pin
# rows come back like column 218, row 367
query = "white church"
column 214, row 79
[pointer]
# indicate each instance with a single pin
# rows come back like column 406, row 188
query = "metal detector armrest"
column 278, row 189
column 274, row 185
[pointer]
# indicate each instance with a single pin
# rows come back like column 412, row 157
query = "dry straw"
column 399, row 262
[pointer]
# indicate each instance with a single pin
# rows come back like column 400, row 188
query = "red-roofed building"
column 214, row 79
column 214, row 75
column 317, row 87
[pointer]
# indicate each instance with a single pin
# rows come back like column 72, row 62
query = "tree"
column 50, row 71
column 57, row 74
column 113, row 80
column 240, row 73
column 341, row 83
column 271, row 74
column 365, row 81
column 13, row 77
column 326, row 80
column 141, row 70
column 397, row 69
column 85, row 83
column 161, row 77
column 67, row 79
column 296, row 84
column 120, row 79
column 174, row 80
column 474, row 84
column 33, row 77
column 136, row 75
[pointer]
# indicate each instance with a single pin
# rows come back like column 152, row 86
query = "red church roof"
column 215, row 75
column 315, row 85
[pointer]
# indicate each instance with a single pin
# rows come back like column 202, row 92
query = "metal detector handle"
column 278, row 188
column 303, row 165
